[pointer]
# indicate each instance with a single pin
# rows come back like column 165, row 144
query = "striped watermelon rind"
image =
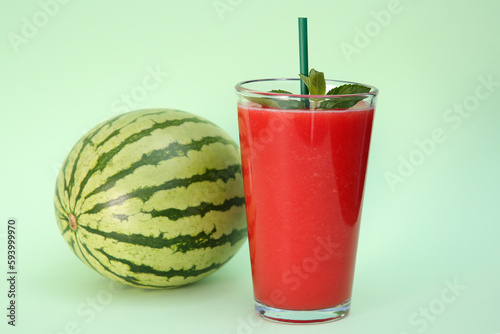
column 153, row 198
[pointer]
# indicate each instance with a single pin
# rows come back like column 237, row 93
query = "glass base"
column 303, row 317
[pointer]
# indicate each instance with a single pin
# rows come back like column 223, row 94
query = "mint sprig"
column 316, row 84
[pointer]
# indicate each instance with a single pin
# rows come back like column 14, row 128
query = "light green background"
column 437, row 225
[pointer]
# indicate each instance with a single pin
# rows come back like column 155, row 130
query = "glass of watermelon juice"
column 304, row 173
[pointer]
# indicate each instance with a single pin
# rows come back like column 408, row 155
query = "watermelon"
column 153, row 198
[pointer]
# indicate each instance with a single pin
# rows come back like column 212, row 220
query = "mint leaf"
column 348, row 89
column 264, row 101
column 291, row 104
column 279, row 91
column 345, row 102
column 278, row 103
column 315, row 82
column 340, row 102
column 306, row 80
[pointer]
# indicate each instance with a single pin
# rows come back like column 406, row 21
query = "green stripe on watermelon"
column 84, row 142
column 119, row 129
column 152, row 158
column 192, row 271
column 181, row 243
column 200, row 210
column 145, row 193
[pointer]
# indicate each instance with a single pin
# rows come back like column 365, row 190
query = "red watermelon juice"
column 304, row 173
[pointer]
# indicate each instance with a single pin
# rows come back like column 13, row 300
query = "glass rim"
column 241, row 89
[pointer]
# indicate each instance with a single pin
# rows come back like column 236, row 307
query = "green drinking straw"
column 303, row 53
